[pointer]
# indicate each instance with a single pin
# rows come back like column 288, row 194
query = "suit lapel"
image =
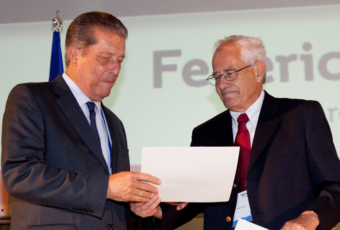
column 224, row 133
column 265, row 127
column 70, row 107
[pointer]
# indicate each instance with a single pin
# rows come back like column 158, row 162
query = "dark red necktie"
column 242, row 140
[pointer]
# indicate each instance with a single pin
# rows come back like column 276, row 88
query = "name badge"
column 242, row 208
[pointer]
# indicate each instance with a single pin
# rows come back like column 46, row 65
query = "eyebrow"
column 123, row 56
column 104, row 53
column 223, row 70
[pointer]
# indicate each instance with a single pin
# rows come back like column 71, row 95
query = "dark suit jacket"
column 293, row 167
column 52, row 164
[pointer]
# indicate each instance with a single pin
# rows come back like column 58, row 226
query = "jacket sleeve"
column 324, row 168
column 173, row 219
column 26, row 175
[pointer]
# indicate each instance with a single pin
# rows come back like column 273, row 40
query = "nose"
column 114, row 68
column 223, row 83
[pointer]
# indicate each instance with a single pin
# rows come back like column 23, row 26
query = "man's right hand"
column 128, row 187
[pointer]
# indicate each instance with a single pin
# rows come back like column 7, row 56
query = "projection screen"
column 162, row 92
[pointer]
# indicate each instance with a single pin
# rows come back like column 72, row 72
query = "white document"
column 245, row 225
column 242, row 208
column 192, row 174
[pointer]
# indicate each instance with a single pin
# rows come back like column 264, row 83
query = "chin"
column 230, row 104
column 104, row 93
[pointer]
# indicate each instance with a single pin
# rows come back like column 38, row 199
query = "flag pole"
column 56, row 65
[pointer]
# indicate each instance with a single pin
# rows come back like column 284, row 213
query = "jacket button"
column 228, row 218
column 235, row 185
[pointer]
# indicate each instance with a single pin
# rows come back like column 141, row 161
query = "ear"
column 74, row 55
column 260, row 70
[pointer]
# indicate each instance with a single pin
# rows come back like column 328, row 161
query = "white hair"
column 252, row 49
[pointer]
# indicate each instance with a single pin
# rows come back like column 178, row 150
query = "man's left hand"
column 308, row 220
column 150, row 208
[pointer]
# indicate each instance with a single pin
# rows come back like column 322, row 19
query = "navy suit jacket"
column 52, row 164
column 293, row 167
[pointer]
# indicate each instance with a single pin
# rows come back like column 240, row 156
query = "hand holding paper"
column 130, row 186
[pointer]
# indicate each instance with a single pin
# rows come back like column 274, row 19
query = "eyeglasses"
column 228, row 75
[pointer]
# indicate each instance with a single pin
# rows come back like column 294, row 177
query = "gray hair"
column 252, row 49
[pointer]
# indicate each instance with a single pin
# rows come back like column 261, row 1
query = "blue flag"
column 56, row 66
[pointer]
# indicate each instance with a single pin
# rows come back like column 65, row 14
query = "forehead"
column 227, row 56
column 108, row 42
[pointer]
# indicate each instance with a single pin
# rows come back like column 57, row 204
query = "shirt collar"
column 81, row 98
column 252, row 112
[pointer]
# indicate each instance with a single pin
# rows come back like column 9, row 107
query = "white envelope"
column 192, row 174
column 245, row 225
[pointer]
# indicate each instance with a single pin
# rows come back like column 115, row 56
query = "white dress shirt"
column 102, row 127
column 253, row 113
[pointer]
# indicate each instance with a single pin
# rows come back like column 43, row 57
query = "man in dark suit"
column 64, row 154
column 288, row 165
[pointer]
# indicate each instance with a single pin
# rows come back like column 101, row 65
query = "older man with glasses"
column 288, row 172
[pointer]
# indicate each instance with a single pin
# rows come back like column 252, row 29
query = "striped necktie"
column 91, row 106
